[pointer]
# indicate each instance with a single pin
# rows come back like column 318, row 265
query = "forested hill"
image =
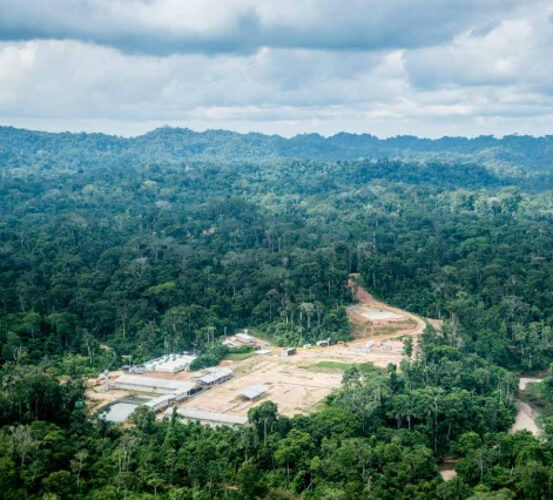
column 114, row 241
column 510, row 154
column 112, row 247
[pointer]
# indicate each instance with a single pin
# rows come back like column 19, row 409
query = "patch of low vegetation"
column 240, row 353
column 331, row 366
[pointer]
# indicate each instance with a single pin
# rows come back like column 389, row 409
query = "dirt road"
column 526, row 414
column 298, row 383
column 525, row 419
column 366, row 299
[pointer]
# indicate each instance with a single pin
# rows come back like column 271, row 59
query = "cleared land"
column 298, row 383
column 372, row 318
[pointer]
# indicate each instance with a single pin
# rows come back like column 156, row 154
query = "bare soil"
column 294, row 388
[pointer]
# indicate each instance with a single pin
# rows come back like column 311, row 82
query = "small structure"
column 106, row 380
column 244, row 338
column 137, row 369
column 253, row 392
column 210, row 418
column 216, row 377
column 288, row 351
column 307, row 346
column 170, row 363
column 323, row 343
column 229, row 343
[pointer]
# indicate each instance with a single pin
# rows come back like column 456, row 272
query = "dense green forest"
column 514, row 153
column 152, row 257
column 165, row 242
column 378, row 437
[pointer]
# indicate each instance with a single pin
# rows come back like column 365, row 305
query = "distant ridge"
column 166, row 144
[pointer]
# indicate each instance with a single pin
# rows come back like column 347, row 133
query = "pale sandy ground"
column 297, row 386
column 369, row 317
column 524, row 381
column 526, row 415
column 294, row 383
column 525, row 419
column 447, row 471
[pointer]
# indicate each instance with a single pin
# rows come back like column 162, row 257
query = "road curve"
column 365, row 298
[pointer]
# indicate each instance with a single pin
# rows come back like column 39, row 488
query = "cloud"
column 517, row 51
column 48, row 78
column 163, row 27
column 126, row 66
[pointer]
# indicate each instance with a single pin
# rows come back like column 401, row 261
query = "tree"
column 263, row 417
column 250, row 481
column 60, row 483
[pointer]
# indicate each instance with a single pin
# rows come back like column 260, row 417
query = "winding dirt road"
column 366, row 299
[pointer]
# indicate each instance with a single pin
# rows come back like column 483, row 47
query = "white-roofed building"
column 253, row 392
column 161, row 402
column 209, row 417
column 170, row 363
column 142, row 383
column 216, row 377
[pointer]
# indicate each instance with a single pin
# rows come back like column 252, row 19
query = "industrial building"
column 170, row 363
column 209, row 417
column 141, row 383
column 161, row 402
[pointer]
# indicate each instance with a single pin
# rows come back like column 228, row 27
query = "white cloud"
column 452, row 67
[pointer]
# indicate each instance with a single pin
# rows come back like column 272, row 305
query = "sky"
column 387, row 67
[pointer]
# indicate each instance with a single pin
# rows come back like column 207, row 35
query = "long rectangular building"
column 141, row 383
column 209, row 417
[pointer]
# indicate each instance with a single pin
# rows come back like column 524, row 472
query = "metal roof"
column 254, row 391
column 171, row 363
column 210, row 416
column 160, row 399
column 155, row 384
column 214, row 376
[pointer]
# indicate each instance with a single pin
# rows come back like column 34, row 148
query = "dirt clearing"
column 298, row 383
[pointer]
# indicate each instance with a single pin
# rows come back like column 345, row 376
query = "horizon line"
column 287, row 138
